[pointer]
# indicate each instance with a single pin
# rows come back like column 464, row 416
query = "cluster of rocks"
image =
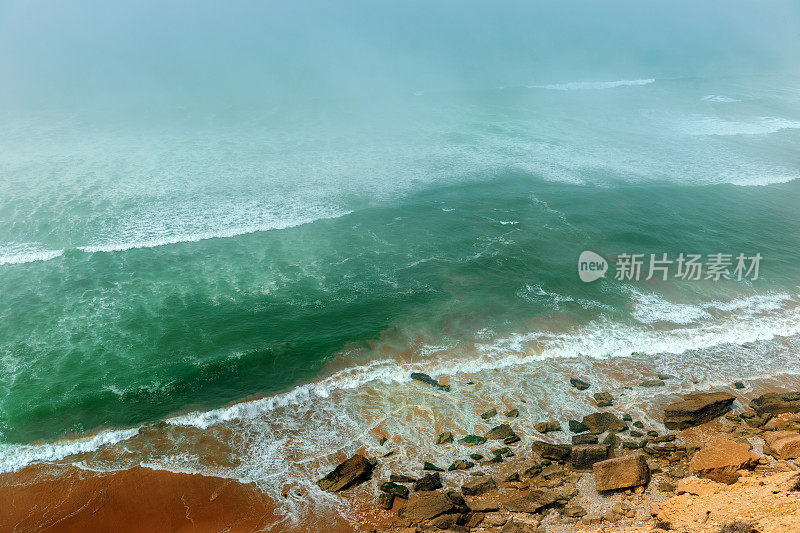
column 620, row 453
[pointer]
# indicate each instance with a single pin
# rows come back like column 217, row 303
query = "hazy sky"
column 53, row 51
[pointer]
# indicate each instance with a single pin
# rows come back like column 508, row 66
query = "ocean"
column 243, row 286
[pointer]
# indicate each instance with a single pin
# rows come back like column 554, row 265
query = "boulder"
column 402, row 478
column 428, row 482
column 603, row 399
column 472, row 440
column 586, row 438
column 652, row 383
column 430, row 466
column 621, row 472
column 721, row 461
column 783, row 444
column 483, row 505
column 425, row 378
column 489, row 414
column 425, row 506
column 513, row 413
column 602, row 422
column 499, row 432
column 775, row 403
column 583, row 456
column 479, row 486
column 390, row 487
column 461, row 465
column 577, row 427
column 697, row 409
column 547, row 427
column 445, row 438
column 579, row 384
column 556, row 452
column 386, row 500
column 532, row 501
column 351, row 472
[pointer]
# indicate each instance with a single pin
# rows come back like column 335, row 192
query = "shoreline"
column 130, row 492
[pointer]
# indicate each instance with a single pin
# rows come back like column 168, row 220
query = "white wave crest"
column 717, row 98
column 14, row 253
column 705, row 125
column 591, row 85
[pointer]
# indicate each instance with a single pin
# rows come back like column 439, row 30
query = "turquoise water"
column 224, row 248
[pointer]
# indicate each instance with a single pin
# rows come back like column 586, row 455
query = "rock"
column 461, row 465
column 386, row 500
column 573, row 511
column 425, row 378
column 474, row 520
column 577, row 427
column 666, row 486
column 513, row 439
column 402, row 478
column 445, row 521
column 783, row 444
column 652, row 383
column 428, row 482
column 665, row 377
column 515, row 526
column 430, row 466
column 621, row 472
column 583, row 456
column 579, row 384
column 390, row 487
column 584, row 439
column 698, row 487
column 627, row 417
column 602, row 422
column 603, row 399
column 552, row 471
column 556, row 452
column 426, row 506
column 592, row 519
column 382, row 441
column 697, row 409
column 722, row 460
column 775, row 403
column 475, row 456
column 489, row 414
column 513, row 413
column 483, row 505
column 351, row 472
column 738, row 384
column 638, row 424
column 499, row 432
column 445, row 438
column 472, row 440
column 479, row 486
column 547, row 427
column 532, row 501
column 612, row 440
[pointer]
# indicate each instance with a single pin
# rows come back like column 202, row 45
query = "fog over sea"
column 254, row 221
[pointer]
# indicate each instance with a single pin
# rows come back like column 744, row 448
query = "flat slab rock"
column 532, row 501
column 426, row 505
column 351, row 472
column 621, row 472
column 721, row 460
column 696, row 409
column 775, row 403
column 602, row 422
column 783, row 444
column 479, row 486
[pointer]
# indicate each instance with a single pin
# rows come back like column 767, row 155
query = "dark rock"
column 630, row 445
column 586, row 438
column 652, row 433
column 579, row 384
column 583, row 456
column 430, row 466
column 382, row 441
column 461, row 465
column 475, row 456
column 556, row 452
column 547, row 427
column 395, row 489
column 428, row 482
column 386, row 500
column 513, row 477
column 501, row 451
column 499, row 432
column 665, row 377
column 775, row 403
column 496, row 459
column 513, row 413
column 479, row 486
column 621, row 473
column 351, row 472
column 697, row 409
column 738, row 384
column 472, row 440
column 445, row 521
column 636, row 434
column 425, row 378
column 627, row 417
column 602, row 422
column 426, row 506
column 638, row 424
column 445, row 438
column 577, row 427
column 401, row 478
column 573, row 511
column 612, row 439
column 603, row 399
column 489, row 414
column 652, row 383
column 459, row 501
column 513, row 439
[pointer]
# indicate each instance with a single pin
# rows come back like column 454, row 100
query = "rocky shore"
column 722, row 465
